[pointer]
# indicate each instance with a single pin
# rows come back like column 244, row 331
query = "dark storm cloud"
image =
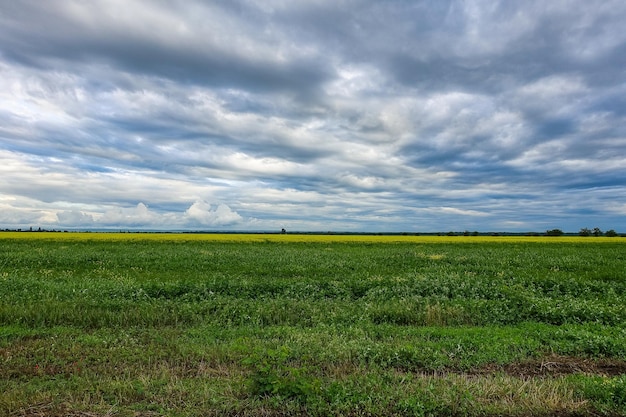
column 355, row 115
column 63, row 33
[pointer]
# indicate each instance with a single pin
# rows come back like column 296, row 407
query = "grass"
column 186, row 325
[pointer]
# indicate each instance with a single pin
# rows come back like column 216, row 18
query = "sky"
column 313, row 115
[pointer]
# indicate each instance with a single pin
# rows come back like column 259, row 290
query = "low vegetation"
column 196, row 325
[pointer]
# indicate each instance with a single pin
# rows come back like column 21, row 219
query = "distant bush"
column 554, row 232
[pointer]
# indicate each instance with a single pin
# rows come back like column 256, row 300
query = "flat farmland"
column 99, row 324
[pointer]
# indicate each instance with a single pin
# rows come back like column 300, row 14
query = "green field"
column 200, row 325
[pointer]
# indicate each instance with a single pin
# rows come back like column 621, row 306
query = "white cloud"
column 368, row 182
column 462, row 212
column 205, row 214
column 616, row 208
column 19, row 216
column 74, row 218
column 136, row 216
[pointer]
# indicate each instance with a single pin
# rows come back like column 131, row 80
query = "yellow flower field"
column 305, row 237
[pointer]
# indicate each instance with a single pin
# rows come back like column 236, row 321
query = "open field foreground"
column 248, row 325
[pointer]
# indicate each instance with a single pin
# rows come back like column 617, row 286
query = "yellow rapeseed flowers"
column 296, row 237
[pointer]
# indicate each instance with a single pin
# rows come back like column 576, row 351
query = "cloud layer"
column 313, row 115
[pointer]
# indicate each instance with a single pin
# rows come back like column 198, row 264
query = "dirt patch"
column 558, row 366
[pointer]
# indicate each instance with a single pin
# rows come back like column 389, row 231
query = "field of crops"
column 199, row 325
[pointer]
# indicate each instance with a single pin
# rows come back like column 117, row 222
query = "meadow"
column 103, row 324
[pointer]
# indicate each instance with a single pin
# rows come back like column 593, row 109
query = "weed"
column 272, row 374
column 606, row 392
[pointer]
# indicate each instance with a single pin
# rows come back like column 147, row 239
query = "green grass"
column 170, row 325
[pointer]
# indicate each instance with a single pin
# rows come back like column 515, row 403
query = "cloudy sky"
column 317, row 115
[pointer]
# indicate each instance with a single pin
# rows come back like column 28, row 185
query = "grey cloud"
column 351, row 115
column 490, row 47
column 71, row 33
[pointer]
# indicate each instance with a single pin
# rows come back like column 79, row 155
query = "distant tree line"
column 596, row 231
